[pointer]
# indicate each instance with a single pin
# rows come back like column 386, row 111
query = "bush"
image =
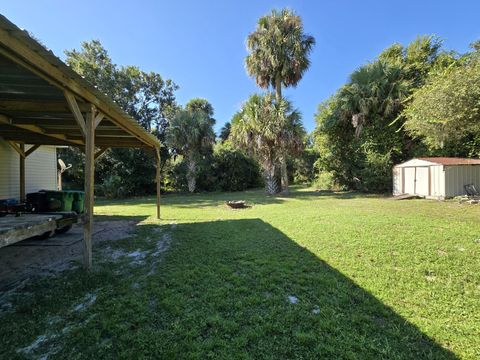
column 227, row 169
column 325, row 181
column 235, row 171
column 112, row 187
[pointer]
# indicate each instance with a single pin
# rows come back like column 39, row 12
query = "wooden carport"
column 44, row 102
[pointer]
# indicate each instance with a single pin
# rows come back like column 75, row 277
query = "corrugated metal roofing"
column 11, row 35
column 451, row 160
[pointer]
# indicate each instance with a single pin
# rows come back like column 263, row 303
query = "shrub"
column 112, row 187
column 235, row 171
column 325, row 181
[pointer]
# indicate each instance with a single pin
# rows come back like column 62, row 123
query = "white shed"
column 436, row 177
column 40, row 170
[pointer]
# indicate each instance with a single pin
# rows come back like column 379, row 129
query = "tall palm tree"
column 376, row 89
column 262, row 128
column 190, row 133
column 279, row 51
column 291, row 140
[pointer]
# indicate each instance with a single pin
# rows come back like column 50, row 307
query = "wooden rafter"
column 100, row 152
column 17, row 148
column 77, row 114
column 98, row 118
column 32, row 149
column 38, row 130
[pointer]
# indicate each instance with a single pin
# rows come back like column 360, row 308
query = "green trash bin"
column 59, row 200
column 78, row 204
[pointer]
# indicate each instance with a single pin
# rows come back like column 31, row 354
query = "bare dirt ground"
column 33, row 257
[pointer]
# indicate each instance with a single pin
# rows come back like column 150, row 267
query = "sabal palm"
column 291, row 140
column 191, row 134
column 376, row 89
column 279, row 51
column 262, row 128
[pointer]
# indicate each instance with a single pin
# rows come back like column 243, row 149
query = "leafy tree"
column 279, row 51
column 447, row 108
column 147, row 97
column 361, row 131
column 190, row 134
column 259, row 129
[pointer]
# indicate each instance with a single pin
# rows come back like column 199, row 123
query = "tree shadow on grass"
column 243, row 289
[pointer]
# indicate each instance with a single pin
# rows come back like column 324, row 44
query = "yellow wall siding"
column 40, row 170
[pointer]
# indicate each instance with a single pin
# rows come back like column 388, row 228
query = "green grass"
column 373, row 279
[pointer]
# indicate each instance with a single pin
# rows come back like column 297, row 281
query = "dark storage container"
column 37, row 201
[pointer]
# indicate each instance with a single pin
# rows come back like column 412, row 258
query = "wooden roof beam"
column 75, row 109
column 38, row 130
column 42, row 106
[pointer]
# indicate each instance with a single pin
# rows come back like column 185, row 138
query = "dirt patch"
column 32, row 257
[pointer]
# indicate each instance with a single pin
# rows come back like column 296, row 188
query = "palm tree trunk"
column 191, row 175
column 284, row 174
column 278, row 88
column 271, row 186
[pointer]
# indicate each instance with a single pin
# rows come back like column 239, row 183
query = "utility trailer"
column 14, row 228
column 18, row 227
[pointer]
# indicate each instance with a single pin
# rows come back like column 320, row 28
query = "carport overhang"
column 44, row 102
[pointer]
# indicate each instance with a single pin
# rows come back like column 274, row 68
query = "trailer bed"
column 17, row 228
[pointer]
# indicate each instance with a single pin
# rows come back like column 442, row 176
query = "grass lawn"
column 308, row 276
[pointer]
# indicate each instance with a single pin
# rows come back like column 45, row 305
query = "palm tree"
column 376, row 89
column 199, row 104
column 279, row 51
column 262, row 128
column 190, row 133
column 291, row 140
column 225, row 132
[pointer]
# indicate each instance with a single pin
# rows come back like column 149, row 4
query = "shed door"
column 409, row 173
column 421, row 181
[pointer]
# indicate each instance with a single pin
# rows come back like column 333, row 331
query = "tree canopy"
column 447, row 108
column 190, row 133
column 279, row 50
column 264, row 128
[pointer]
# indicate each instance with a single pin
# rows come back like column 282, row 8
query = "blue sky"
column 201, row 44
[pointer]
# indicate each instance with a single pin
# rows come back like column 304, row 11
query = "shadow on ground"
column 234, row 289
column 243, row 287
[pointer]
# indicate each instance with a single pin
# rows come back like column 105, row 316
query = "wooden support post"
column 157, row 155
column 89, row 181
column 22, row 174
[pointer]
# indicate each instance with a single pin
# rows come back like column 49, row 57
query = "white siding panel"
column 397, row 181
column 437, row 181
column 9, row 171
column 40, row 170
